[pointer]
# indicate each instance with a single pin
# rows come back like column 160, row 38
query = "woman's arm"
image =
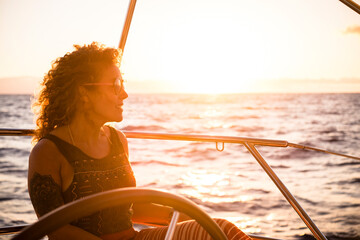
column 44, row 177
column 44, row 184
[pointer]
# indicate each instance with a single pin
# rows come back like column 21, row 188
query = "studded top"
column 93, row 175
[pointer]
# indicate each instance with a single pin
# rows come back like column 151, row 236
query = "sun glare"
column 239, row 48
column 215, row 60
column 209, row 187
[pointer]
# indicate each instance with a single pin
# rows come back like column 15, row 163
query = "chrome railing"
column 249, row 143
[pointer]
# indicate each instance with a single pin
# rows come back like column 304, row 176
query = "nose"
column 123, row 94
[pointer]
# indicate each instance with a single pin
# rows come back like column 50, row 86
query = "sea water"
column 228, row 184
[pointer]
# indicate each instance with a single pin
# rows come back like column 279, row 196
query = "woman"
column 77, row 155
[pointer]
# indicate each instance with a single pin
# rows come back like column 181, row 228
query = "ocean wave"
column 197, row 154
column 306, row 200
column 6, row 116
column 347, row 181
column 241, row 117
column 349, row 235
column 257, row 191
column 333, row 138
column 16, row 171
column 343, row 164
column 354, row 205
column 143, row 128
column 6, row 165
column 150, row 184
column 152, row 162
column 2, row 199
column 327, row 130
column 293, row 153
column 223, row 206
column 247, row 129
column 305, row 237
column 11, row 152
column 279, row 166
column 253, row 207
column 9, row 168
column 306, row 170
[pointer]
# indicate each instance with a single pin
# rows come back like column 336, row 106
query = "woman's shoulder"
column 45, row 154
column 47, row 145
column 44, row 147
column 121, row 136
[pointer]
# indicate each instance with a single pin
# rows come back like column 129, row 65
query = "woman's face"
column 106, row 100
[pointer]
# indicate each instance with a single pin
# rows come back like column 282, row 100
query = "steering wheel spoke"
column 172, row 225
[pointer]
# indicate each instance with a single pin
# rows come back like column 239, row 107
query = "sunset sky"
column 190, row 46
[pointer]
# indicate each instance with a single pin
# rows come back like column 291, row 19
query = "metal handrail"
column 199, row 138
column 287, row 194
column 249, row 143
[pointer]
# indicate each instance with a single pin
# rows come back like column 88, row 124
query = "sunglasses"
column 118, row 85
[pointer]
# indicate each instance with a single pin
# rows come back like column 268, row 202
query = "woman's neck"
column 85, row 132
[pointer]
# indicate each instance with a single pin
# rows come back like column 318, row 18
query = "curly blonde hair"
column 56, row 102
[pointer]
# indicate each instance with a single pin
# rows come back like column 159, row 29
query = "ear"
column 83, row 94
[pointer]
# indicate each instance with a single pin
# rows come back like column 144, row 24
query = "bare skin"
column 50, row 173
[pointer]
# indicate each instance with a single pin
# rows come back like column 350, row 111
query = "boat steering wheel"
column 88, row 205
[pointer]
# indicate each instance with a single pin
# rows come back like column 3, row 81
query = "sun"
column 209, row 62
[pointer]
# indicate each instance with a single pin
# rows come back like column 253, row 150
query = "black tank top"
column 93, row 175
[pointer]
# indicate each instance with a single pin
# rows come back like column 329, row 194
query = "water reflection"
column 213, row 118
column 246, row 224
column 210, row 187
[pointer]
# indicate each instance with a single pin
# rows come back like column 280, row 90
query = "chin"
column 115, row 119
column 119, row 119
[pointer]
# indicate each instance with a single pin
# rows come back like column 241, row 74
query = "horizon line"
column 202, row 93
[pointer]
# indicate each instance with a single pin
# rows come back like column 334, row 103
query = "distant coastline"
column 29, row 85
